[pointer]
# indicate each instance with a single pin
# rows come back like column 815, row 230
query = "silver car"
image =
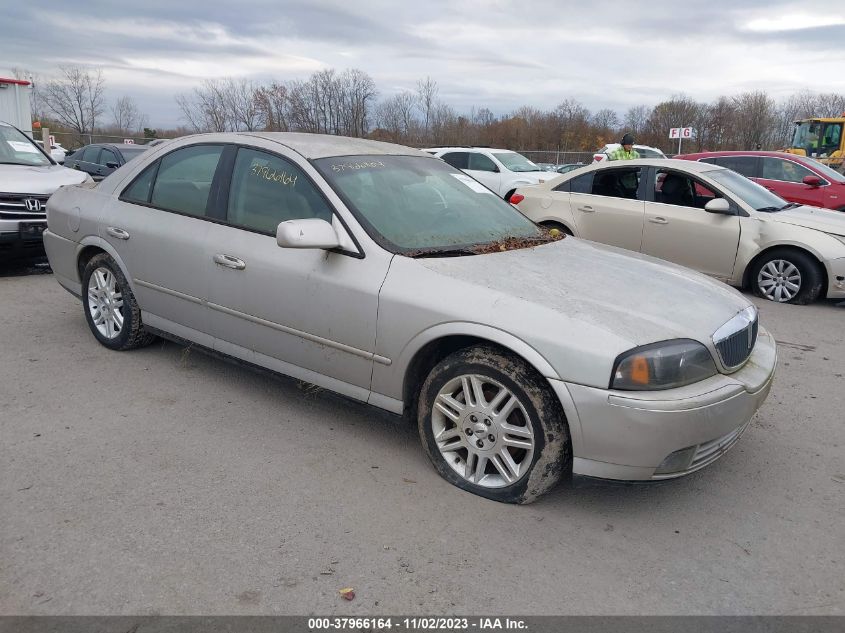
column 385, row 274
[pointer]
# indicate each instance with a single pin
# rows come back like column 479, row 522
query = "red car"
column 794, row 178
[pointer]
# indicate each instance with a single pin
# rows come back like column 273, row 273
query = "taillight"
column 598, row 157
column 517, row 198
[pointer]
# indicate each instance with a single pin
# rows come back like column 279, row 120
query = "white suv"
column 27, row 178
column 498, row 169
column 644, row 151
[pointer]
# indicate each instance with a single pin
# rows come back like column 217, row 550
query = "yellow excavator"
column 822, row 139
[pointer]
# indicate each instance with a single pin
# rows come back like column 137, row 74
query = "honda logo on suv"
column 32, row 205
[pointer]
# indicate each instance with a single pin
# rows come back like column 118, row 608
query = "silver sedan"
column 384, row 274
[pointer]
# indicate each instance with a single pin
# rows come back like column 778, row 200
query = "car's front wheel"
column 787, row 276
column 491, row 425
column 110, row 308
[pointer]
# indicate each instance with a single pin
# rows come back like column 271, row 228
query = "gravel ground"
column 165, row 481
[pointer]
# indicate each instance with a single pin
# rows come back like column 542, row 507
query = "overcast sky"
column 499, row 54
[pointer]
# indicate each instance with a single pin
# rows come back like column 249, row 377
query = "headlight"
column 663, row 365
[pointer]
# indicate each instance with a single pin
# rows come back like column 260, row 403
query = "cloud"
column 499, row 54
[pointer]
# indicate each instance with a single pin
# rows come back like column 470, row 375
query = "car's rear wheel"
column 787, row 276
column 492, row 426
column 110, row 308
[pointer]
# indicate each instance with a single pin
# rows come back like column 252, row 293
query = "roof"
column 754, row 152
column 20, row 82
column 468, row 148
column 325, row 145
column 686, row 165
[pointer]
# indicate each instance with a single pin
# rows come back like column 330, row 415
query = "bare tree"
column 427, row 96
column 273, row 107
column 636, row 119
column 240, row 100
column 76, row 98
column 205, row 109
column 126, row 116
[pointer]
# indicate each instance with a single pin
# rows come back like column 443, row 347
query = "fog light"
column 840, row 281
column 676, row 462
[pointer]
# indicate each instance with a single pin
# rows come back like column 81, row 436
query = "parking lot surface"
column 166, row 481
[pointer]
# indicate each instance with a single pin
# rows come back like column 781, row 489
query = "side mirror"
column 112, row 165
column 718, row 205
column 310, row 233
column 813, row 181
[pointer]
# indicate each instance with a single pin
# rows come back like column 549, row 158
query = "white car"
column 27, row 178
column 644, row 151
column 498, row 169
column 57, row 152
column 702, row 216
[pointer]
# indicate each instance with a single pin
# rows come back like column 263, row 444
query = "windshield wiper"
column 788, row 205
column 440, row 252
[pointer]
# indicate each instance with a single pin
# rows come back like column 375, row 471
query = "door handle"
column 117, row 233
column 658, row 220
column 587, row 209
column 229, row 262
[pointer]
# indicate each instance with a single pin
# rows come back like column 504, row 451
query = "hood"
column 811, row 218
column 634, row 299
column 33, row 179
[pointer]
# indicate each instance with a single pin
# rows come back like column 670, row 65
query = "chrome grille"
column 13, row 206
column 735, row 349
column 736, row 339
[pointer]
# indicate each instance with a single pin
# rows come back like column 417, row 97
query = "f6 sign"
column 680, row 132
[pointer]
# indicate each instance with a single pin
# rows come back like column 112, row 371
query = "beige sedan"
column 702, row 216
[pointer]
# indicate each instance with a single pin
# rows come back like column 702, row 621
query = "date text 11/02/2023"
column 416, row 623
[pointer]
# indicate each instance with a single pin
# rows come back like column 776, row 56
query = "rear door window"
column 617, row 183
column 107, row 156
column 581, row 184
column 745, row 165
column 458, row 160
column 184, row 179
column 90, row 154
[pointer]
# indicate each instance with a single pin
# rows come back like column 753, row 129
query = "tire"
column 556, row 225
column 533, row 432
column 106, row 296
column 775, row 275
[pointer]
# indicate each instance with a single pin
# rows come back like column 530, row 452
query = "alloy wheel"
column 105, row 303
column 482, row 431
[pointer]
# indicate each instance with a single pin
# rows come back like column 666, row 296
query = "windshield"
column 408, row 203
column 17, row 149
column 826, row 171
column 131, row 152
column 516, row 162
column 748, row 191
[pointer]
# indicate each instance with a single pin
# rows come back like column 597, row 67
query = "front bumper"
column 17, row 244
column 836, row 278
column 629, row 435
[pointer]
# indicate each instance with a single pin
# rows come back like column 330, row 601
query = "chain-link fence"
column 557, row 158
column 74, row 140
